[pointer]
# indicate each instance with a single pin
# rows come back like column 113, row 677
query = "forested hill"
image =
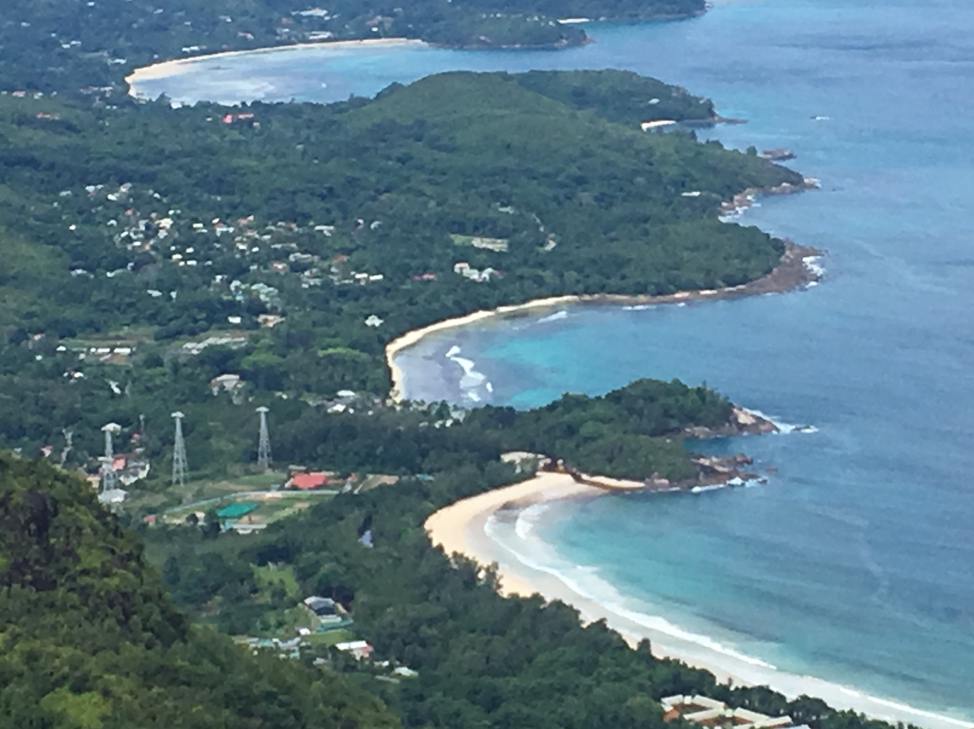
column 88, row 637
column 75, row 45
column 151, row 225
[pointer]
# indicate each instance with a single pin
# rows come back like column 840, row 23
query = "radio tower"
column 264, row 444
column 109, row 479
column 179, row 465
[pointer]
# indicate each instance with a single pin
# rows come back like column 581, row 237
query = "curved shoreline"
column 462, row 528
column 792, row 272
column 175, row 66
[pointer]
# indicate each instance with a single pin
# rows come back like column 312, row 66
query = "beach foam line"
column 604, row 593
column 754, row 288
column 783, row 427
column 557, row 316
column 528, row 565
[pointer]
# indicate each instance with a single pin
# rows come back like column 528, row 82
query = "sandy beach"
column 461, row 528
column 176, row 66
column 792, row 272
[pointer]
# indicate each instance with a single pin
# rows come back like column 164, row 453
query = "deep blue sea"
column 855, row 563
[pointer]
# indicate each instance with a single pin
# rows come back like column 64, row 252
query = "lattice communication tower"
column 180, row 468
column 264, row 442
column 109, row 479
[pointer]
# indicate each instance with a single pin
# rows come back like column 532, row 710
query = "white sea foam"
column 489, row 386
column 585, row 581
column 471, row 377
column 589, row 585
column 703, row 489
column 814, row 265
column 783, row 427
column 453, row 352
column 557, row 316
column 637, row 307
column 528, row 518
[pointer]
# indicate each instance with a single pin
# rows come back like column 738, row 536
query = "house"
column 320, row 606
column 226, row 383
column 308, row 481
column 230, row 513
column 270, row 320
column 374, row 321
column 112, row 497
column 709, row 712
column 358, row 648
column 130, row 467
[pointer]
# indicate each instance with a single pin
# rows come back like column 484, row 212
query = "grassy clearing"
column 268, row 578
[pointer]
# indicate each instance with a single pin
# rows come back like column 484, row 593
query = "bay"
column 855, row 563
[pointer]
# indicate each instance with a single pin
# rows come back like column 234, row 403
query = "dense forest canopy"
column 90, row 638
column 146, row 228
column 89, row 47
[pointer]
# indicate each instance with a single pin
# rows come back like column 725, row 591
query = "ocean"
column 855, row 562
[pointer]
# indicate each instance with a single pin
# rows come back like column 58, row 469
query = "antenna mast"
column 109, row 479
column 179, row 466
column 264, row 443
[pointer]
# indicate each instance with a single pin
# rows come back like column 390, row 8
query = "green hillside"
column 89, row 639
column 147, row 228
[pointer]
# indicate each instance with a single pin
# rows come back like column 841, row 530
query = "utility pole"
column 264, row 443
column 180, row 468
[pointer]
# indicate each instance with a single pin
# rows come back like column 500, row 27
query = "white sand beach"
column 789, row 274
column 176, row 66
column 413, row 337
column 461, row 529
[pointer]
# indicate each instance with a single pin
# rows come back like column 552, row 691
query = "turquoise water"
column 855, row 563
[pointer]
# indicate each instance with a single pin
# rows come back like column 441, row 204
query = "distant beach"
column 796, row 268
column 174, row 67
column 463, row 528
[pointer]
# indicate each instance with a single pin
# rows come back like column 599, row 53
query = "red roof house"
column 309, row 481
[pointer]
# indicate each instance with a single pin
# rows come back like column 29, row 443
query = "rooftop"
column 235, row 511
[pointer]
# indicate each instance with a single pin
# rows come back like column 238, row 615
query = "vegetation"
column 146, row 228
column 76, row 46
column 483, row 660
column 91, row 640
column 621, row 434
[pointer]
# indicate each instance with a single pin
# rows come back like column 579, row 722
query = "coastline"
column 463, row 528
column 792, row 272
column 175, row 66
